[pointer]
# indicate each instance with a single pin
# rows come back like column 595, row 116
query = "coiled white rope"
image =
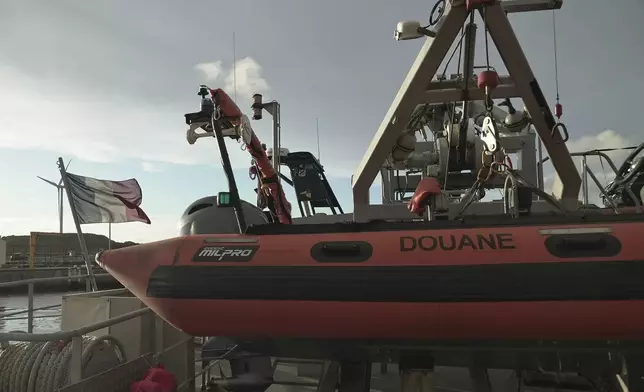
column 45, row 367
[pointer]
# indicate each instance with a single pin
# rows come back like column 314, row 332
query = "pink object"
column 489, row 79
column 157, row 379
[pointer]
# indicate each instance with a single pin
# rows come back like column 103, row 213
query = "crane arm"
column 220, row 117
column 270, row 188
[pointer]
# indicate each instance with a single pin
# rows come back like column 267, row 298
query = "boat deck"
column 446, row 379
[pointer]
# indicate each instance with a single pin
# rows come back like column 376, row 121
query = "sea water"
column 47, row 320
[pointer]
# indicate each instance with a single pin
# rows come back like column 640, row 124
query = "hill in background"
column 60, row 244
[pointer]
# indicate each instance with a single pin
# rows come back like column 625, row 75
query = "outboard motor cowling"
column 204, row 216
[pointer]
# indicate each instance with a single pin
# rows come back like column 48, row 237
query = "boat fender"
column 427, row 187
column 157, row 379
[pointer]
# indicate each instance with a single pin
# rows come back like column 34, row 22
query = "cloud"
column 152, row 167
column 49, row 115
column 608, row 139
column 52, row 116
column 211, row 71
column 46, row 115
column 245, row 77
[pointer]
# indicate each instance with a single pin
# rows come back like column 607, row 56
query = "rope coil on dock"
column 45, row 367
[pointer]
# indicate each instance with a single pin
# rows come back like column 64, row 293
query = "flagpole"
column 79, row 232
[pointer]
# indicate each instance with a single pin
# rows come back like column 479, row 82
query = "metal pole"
column 76, row 360
column 469, row 51
column 469, row 46
column 30, row 307
column 32, row 249
column 79, row 232
column 276, row 140
column 109, row 235
column 230, row 176
column 60, row 208
column 234, row 69
column 584, row 178
column 540, row 183
column 317, row 134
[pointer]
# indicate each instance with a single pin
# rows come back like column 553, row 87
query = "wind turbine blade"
column 48, row 182
column 66, row 167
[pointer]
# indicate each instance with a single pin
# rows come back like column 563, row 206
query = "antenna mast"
column 234, row 70
column 317, row 134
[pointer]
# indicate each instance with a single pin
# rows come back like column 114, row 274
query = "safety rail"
column 76, row 336
column 587, row 172
column 49, row 261
column 5, row 316
column 31, row 283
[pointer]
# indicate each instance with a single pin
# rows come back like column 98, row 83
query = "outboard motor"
column 250, row 372
column 204, row 216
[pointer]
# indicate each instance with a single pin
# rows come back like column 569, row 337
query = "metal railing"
column 76, row 338
column 76, row 335
column 586, row 172
column 10, row 316
column 48, row 261
column 31, row 283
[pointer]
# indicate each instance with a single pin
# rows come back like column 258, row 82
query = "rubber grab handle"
column 583, row 243
column 338, row 250
column 342, row 251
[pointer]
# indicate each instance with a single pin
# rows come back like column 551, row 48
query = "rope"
column 487, row 45
column 554, row 39
column 45, row 366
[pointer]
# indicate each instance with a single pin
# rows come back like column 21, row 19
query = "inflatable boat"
column 487, row 278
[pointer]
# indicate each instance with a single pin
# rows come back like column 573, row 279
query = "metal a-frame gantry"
column 418, row 88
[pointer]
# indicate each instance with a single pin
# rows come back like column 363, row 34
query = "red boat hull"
column 574, row 320
column 478, row 283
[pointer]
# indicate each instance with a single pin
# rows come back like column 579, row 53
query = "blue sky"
column 106, row 83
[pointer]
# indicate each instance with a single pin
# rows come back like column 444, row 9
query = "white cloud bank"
column 245, row 77
column 153, row 167
column 43, row 115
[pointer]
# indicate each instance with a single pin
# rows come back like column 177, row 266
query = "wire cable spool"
column 45, row 366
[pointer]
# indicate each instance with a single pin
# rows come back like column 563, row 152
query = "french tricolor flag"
column 104, row 201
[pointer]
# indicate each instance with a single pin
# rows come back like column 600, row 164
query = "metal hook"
column 563, row 131
column 437, row 12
